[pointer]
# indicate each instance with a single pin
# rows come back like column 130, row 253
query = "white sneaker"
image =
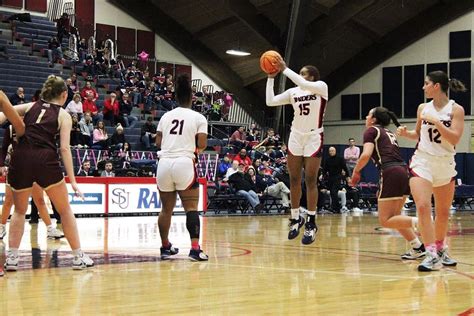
column 1, row 272
column 11, row 263
column 431, row 263
column 344, row 209
column 3, row 231
column 54, row 233
column 81, row 262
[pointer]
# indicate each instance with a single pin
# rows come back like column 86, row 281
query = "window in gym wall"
column 460, row 44
column 392, row 89
column 369, row 101
column 413, row 93
column 462, row 71
column 350, row 107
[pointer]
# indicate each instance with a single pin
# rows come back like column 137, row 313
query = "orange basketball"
column 267, row 60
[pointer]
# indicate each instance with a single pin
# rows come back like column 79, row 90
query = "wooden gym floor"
column 352, row 269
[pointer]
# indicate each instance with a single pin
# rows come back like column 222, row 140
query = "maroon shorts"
column 34, row 164
column 394, row 182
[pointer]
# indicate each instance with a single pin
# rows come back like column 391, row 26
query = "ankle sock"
column 295, row 213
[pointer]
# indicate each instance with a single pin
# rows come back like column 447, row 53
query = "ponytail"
column 456, row 85
column 394, row 118
column 383, row 116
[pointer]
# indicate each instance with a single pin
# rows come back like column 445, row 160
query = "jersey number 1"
column 40, row 116
column 177, row 123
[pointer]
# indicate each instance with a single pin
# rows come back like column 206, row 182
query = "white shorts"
column 439, row 170
column 176, row 174
column 305, row 144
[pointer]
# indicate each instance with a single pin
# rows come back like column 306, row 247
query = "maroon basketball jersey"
column 386, row 146
column 41, row 125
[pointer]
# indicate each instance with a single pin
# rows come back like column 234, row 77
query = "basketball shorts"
column 34, row 164
column 394, row 183
column 439, row 170
column 176, row 174
column 306, row 144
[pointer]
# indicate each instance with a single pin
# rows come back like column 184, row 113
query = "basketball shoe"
column 82, row 261
column 309, row 236
column 54, row 233
column 414, row 253
column 446, row 260
column 295, row 226
column 165, row 253
column 11, row 263
column 1, row 272
column 431, row 263
column 197, row 255
column 3, row 231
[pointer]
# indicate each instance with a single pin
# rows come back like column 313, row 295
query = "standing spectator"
column 54, row 51
column 18, row 97
column 125, row 110
column 333, row 168
column 87, row 128
column 63, row 26
column 111, row 109
column 70, row 91
column 88, row 89
column 86, row 170
column 75, row 106
column 76, row 135
column 148, row 133
column 108, row 172
column 89, row 106
column 244, row 187
column 99, row 136
column 237, row 138
column 351, row 154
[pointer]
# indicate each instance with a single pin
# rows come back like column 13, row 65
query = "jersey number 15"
column 304, row 108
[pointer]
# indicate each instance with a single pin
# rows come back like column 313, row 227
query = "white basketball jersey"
column 179, row 128
column 431, row 141
column 308, row 110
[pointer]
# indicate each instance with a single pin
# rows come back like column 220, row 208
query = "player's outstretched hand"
column 77, row 192
column 402, row 131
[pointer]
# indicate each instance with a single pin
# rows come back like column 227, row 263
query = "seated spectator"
column 243, row 158
column 82, row 49
column 234, row 167
column 76, row 135
column 111, row 109
column 253, row 137
column 87, row 128
column 108, row 172
column 237, row 138
column 167, row 97
column 148, row 133
column 224, row 164
column 89, row 106
column 243, row 185
column 118, row 138
column 18, row 97
column 74, row 84
column 75, row 106
column 271, row 141
column 124, row 154
column 88, row 89
column 132, row 88
column 267, row 184
column 281, row 153
column 54, row 51
column 86, row 170
column 125, row 110
column 160, row 77
column 99, row 136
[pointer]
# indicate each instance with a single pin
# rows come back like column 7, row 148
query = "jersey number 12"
column 434, row 135
column 177, row 123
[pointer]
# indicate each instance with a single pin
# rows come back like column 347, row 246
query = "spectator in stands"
column 108, row 172
column 243, row 158
column 237, row 138
column 36, row 96
column 70, row 92
column 74, row 84
column 243, row 185
column 82, row 49
column 18, row 97
column 253, row 136
column 167, row 97
column 233, row 169
column 63, row 26
column 148, row 133
column 270, row 185
column 54, row 51
column 333, row 168
column 125, row 110
column 118, row 138
column 271, row 141
column 89, row 89
column 351, row 154
column 99, row 136
column 224, row 164
column 160, row 77
column 87, row 129
column 281, row 153
column 86, row 170
column 75, row 106
column 76, row 135
column 132, row 89
column 111, row 109
column 89, row 106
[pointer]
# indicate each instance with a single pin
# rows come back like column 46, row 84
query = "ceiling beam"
column 320, row 8
column 215, row 27
column 245, row 11
column 409, row 32
column 194, row 50
column 365, row 30
column 338, row 15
